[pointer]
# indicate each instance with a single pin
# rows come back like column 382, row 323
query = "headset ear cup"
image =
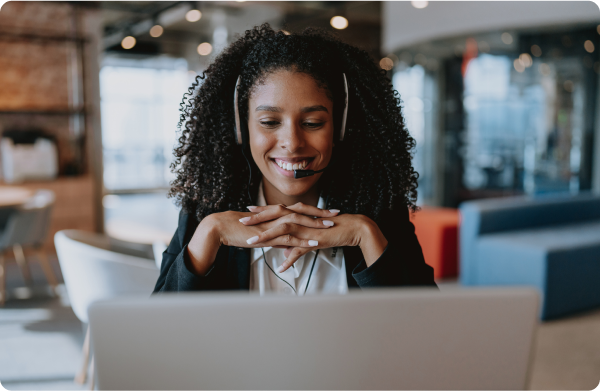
column 238, row 131
column 345, row 115
column 245, row 134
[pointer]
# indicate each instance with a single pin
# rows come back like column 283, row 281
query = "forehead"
column 287, row 87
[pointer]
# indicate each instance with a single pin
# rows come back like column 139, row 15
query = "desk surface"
column 14, row 195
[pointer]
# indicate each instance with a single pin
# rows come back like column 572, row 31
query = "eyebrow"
column 276, row 109
column 314, row 108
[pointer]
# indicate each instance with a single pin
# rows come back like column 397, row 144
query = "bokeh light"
column 193, row 15
column 128, row 42
column 519, row 67
column 536, row 50
column 506, row 38
column 386, row 63
column 204, row 49
column 419, row 4
column 526, row 60
column 339, row 22
column 156, row 31
column 589, row 46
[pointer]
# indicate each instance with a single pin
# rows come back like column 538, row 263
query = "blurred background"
column 501, row 97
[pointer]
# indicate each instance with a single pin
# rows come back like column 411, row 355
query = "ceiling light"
column 156, row 31
column 204, row 49
column 339, row 22
column 128, row 42
column 419, row 4
column 193, row 15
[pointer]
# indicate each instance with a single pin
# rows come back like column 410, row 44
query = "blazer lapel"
column 239, row 267
column 352, row 257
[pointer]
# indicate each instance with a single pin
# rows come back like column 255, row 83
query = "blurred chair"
column 158, row 247
column 95, row 267
column 26, row 227
column 551, row 242
column 437, row 231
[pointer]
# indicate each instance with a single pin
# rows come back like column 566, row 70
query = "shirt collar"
column 325, row 254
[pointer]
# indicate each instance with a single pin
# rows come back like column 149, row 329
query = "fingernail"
column 334, row 210
column 252, row 240
column 251, row 208
column 328, row 223
column 280, row 269
column 310, row 243
column 244, row 219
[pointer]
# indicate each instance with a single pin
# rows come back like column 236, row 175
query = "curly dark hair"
column 372, row 170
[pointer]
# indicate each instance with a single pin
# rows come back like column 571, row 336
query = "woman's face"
column 290, row 121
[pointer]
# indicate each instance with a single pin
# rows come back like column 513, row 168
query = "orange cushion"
column 437, row 231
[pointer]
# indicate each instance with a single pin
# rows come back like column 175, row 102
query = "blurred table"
column 437, row 231
column 14, row 195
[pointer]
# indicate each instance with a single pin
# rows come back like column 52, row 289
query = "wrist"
column 372, row 242
column 203, row 247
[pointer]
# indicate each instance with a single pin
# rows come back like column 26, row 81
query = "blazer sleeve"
column 402, row 262
column 175, row 276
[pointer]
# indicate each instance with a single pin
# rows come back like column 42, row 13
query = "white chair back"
column 96, row 267
column 158, row 248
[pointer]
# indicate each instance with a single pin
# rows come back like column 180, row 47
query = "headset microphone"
column 305, row 173
column 241, row 128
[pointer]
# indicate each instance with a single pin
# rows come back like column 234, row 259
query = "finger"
column 310, row 210
column 258, row 209
column 281, row 235
column 287, row 240
column 295, row 254
column 271, row 212
column 305, row 221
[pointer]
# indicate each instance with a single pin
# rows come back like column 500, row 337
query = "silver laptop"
column 376, row 339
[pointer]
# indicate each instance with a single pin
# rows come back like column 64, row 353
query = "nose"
column 292, row 138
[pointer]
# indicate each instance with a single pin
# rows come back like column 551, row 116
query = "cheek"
column 323, row 144
column 260, row 144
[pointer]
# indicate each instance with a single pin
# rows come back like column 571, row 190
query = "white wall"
column 404, row 25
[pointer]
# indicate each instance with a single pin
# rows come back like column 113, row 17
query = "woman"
column 246, row 222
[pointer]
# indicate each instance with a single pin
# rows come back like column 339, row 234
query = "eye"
column 269, row 124
column 314, row 125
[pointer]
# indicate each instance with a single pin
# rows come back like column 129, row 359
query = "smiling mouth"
column 289, row 166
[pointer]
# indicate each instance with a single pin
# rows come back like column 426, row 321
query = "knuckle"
column 287, row 238
column 286, row 227
column 294, row 217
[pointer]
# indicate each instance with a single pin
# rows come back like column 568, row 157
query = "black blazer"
column 401, row 263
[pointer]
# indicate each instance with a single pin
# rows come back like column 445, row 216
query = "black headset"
column 241, row 127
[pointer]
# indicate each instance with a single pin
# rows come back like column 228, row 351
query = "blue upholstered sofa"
column 549, row 242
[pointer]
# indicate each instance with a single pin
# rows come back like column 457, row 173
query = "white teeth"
column 292, row 166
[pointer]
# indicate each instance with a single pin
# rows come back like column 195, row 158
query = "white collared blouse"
column 328, row 274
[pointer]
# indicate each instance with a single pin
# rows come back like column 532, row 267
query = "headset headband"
column 238, row 124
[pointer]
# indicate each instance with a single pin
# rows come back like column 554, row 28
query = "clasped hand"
column 298, row 228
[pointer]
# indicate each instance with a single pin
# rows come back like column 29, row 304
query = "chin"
column 296, row 188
